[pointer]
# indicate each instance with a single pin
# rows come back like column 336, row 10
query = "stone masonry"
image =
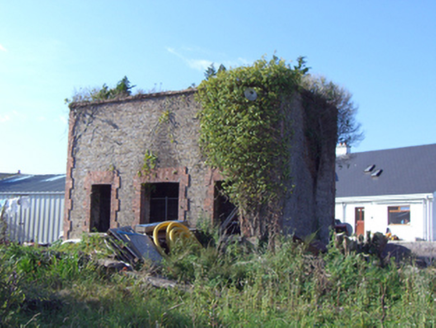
column 108, row 140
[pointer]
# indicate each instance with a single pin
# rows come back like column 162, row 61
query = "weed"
column 241, row 286
column 11, row 293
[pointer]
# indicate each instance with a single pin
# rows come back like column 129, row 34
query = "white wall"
column 431, row 213
column 42, row 222
column 376, row 214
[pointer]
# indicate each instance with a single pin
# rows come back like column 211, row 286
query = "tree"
column 349, row 130
column 211, row 71
column 123, row 88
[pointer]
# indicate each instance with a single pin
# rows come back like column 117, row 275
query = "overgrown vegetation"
column 245, row 130
column 121, row 90
column 245, row 133
column 236, row 286
column 149, row 164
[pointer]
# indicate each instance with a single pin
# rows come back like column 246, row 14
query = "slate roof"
column 408, row 170
column 6, row 175
column 28, row 183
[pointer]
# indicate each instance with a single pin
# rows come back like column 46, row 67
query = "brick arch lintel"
column 170, row 174
column 97, row 178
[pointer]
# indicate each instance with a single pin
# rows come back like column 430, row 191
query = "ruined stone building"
column 108, row 185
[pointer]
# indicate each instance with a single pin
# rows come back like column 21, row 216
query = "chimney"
column 342, row 149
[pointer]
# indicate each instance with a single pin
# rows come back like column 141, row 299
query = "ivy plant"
column 244, row 131
column 150, row 162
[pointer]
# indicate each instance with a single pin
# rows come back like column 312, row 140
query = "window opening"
column 100, row 208
column 398, row 214
column 377, row 173
column 369, row 168
column 159, row 202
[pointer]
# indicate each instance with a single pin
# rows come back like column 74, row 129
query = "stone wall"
column 310, row 207
column 108, row 140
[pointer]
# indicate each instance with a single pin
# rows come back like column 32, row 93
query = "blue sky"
column 383, row 52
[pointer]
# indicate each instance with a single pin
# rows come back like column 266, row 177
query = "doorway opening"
column 359, row 216
column 225, row 212
column 100, row 208
column 159, row 202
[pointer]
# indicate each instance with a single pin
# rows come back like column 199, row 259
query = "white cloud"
column 2, row 48
column 12, row 116
column 243, row 61
column 197, row 64
column 171, row 50
column 202, row 64
column 4, row 118
column 19, row 115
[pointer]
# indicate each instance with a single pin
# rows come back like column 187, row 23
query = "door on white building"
column 359, row 216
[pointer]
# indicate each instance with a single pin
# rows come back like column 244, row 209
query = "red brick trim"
column 172, row 174
column 211, row 177
column 69, row 183
column 97, row 178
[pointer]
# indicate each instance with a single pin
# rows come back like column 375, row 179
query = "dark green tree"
column 349, row 130
column 210, row 72
column 123, row 88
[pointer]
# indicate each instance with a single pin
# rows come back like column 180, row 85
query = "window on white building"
column 398, row 214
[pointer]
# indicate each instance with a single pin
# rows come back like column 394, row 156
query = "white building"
column 32, row 207
column 388, row 189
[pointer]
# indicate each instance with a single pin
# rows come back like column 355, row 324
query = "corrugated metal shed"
column 41, row 219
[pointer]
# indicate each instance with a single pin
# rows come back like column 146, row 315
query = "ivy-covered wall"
column 127, row 142
column 271, row 137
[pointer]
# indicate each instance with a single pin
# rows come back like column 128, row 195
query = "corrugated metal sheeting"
column 41, row 221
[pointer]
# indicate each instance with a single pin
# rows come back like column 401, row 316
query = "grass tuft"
column 236, row 285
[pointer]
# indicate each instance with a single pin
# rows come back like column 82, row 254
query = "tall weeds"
column 237, row 285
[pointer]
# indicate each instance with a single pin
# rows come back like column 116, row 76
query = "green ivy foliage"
column 150, row 162
column 248, row 140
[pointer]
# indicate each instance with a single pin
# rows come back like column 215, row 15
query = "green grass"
column 240, row 287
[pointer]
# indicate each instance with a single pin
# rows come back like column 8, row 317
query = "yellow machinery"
column 174, row 231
